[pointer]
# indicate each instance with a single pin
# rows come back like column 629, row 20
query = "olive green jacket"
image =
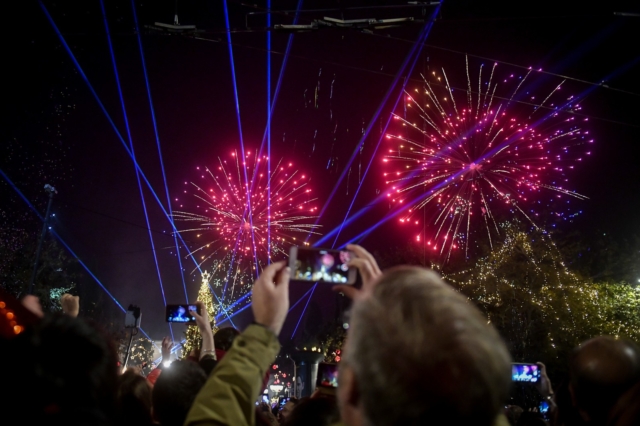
column 228, row 397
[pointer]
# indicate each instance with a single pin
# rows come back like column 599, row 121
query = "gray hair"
column 422, row 353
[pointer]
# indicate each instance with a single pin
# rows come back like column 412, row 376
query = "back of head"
column 61, row 370
column 602, row 370
column 134, row 399
column 314, row 412
column 422, row 353
column 224, row 337
column 175, row 390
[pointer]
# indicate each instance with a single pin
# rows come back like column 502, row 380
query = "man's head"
column 418, row 352
column 602, row 369
column 224, row 338
column 175, row 390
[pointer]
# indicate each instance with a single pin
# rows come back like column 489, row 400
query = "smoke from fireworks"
column 249, row 220
column 463, row 156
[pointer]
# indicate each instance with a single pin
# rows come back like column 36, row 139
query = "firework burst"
column 463, row 156
column 249, row 221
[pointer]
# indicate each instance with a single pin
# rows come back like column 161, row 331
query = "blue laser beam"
column 417, row 49
column 249, row 304
column 73, row 254
column 394, row 82
column 117, row 132
column 248, row 210
column 155, row 132
column 313, row 289
column 268, row 133
column 278, row 84
column 126, row 124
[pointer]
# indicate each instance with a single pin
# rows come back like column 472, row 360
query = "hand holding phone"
column 310, row 264
column 180, row 313
column 327, row 375
column 525, row 372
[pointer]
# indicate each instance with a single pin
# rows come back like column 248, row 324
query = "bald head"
column 602, row 369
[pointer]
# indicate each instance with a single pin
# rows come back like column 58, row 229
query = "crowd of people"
column 417, row 353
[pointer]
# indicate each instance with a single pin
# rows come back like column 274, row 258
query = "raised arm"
column 204, row 325
column 228, row 397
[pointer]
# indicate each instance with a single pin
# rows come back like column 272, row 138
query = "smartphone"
column 327, row 375
column 525, row 372
column 310, row 264
column 180, row 313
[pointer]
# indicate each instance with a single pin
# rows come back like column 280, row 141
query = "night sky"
column 55, row 132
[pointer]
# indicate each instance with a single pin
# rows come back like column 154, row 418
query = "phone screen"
column 327, row 375
column 544, row 407
column 180, row 313
column 309, row 264
column 525, row 373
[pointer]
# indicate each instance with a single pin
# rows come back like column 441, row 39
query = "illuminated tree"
column 192, row 335
column 540, row 307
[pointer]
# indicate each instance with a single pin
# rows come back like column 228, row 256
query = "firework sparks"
column 471, row 154
column 229, row 224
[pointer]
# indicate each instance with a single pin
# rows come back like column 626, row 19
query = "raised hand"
column 70, row 304
column 270, row 296
column 32, row 303
column 204, row 325
column 167, row 346
column 369, row 272
column 202, row 319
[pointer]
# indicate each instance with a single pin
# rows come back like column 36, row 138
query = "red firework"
column 472, row 154
column 247, row 211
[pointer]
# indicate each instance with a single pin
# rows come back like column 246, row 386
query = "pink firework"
column 251, row 218
column 459, row 157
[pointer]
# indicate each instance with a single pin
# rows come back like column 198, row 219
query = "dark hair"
column 175, row 390
column 314, row 412
column 59, row 368
column 224, row 337
column 134, row 399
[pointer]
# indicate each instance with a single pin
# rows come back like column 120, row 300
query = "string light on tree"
column 526, row 290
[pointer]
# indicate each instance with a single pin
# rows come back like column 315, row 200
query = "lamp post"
column 49, row 190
